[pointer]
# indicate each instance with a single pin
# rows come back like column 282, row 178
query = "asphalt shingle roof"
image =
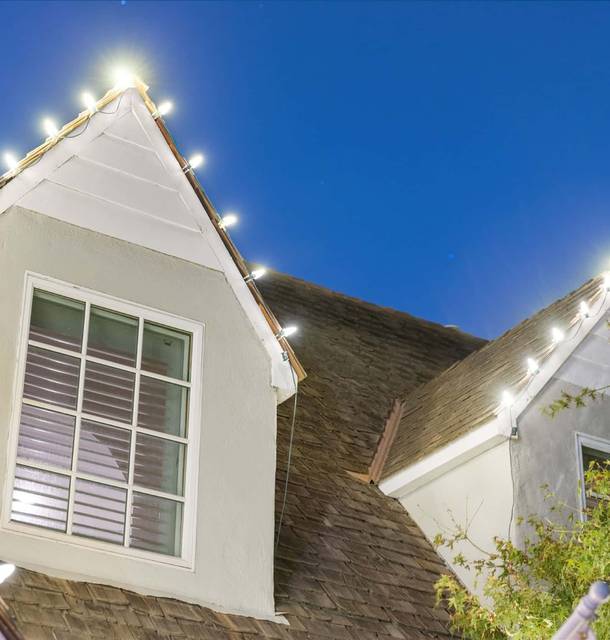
column 351, row 564
column 468, row 394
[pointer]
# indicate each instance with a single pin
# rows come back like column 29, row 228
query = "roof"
column 468, row 394
column 82, row 121
column 351, row 564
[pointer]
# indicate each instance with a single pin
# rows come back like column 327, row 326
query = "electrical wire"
column 289, row 459
column 512, row 476
column 110, row 113
column 80, row 133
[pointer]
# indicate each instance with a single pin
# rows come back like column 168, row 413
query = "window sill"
column 98, row 546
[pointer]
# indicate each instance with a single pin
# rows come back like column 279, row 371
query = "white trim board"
column 79, row 182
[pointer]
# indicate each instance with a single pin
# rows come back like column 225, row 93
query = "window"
column 105, row 439
column 590, row 450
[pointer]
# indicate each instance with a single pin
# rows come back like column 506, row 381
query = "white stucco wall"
column 478, row 493
column 233, row 567
column 546, row 453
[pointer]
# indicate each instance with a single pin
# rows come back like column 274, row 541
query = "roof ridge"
column 453, row 329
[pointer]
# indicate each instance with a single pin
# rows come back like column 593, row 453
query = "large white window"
column 106, row 435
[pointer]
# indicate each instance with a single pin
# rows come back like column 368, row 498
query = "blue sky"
column 446, row 159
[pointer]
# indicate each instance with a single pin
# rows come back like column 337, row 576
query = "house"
column 173, row 468
column 475, row 445
column 147, row 393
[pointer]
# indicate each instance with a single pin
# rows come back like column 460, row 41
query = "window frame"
column 189, row 512
column 591, row 442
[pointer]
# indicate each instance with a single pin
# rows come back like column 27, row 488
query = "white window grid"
column 191, row 441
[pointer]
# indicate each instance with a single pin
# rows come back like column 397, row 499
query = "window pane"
column 51, row 377
column 593, row 455
column 99, row 511
column 159, row 464
column 112, row 336
column 40, row 498
column 46, row 436
column 108, row 392
column 163, row 406
column 166, row 351
column 57, row 320
column 104, row 451
column 156, row 524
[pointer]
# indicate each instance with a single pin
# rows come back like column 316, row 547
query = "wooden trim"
column 385, row 443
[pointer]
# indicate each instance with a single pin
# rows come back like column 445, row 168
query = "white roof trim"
column 443, row 460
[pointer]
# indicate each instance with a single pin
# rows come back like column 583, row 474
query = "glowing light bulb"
column 10, row 160
column 584, row 309
column 49, row 127
column 89, row 101
column 165, row 107
column 532, row 366
column 287, row 331
column 228, row 221
column 557, row 335
column 6, row 570
column 195, row 161
column 256, row 274
column 507, row 399
column 123, row 78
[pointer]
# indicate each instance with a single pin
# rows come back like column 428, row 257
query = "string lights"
column 196, row 160
column 256, row 274
column 123, row 79
column 507, row 399
column 286, row 331
column 532, row 367
column 10, row 160
column 229, row 220
column 164, row 108
column 558, row 336
column 49, row 127
column 89, row 101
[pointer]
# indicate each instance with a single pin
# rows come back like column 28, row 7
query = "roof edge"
column 404, row 482
column 505, row 424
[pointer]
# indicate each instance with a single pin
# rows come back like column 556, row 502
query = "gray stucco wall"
column 546, row 452
column 234, row 548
